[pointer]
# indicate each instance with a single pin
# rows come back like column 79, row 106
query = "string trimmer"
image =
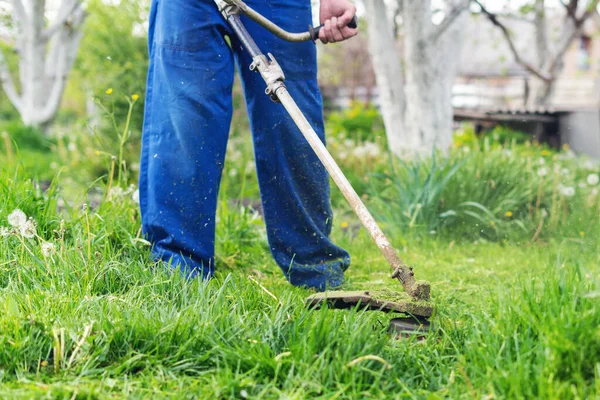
column 415, row 300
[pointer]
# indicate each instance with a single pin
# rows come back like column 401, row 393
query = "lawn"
column 84, row 312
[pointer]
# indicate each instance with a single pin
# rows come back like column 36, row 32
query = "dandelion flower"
column 44, row 363
column 344, row 224
column 567, row 191
column 109, row 91
column 135, row 97
column 48, row 249
column 508, row 214
column 593, row 179
column 582, row 234
column 135, row 197
column 546, row 153
column 589, row 164
column 542, row 172
column 17, row 218
column 492, row 223
column 28, row 230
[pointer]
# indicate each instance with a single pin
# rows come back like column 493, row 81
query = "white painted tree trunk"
column 431, row 59
column 416, row 102
column 46, row 56
column 388, row 74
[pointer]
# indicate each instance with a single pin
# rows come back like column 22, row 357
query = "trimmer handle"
column 314, row 32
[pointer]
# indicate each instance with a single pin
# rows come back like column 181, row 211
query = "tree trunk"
column 46, row 56
column 431, row 61
column 388, row 73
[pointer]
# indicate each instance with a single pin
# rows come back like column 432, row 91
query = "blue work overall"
column 186, row 126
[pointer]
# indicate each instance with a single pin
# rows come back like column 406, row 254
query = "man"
column 187, row 117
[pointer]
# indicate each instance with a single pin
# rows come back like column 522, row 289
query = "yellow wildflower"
column 109, row 91
column 135, row 97
column 546, row 153
column 492, row 223
column 508, row 214
column 344, row 224
column 582, row 234
column 565, row 147
column 44, row 363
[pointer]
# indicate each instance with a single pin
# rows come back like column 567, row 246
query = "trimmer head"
column 373, row 300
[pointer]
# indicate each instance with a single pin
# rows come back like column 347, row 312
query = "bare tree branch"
column 67, row 8
column 569, row 37
column 541, row 32
column 450, row 18
column 494, row 20
column 7, row 83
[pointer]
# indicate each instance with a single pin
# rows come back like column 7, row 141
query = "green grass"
column 97, row 319
column 517, row 313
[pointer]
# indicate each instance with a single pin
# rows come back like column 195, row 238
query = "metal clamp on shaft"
column 271, row 72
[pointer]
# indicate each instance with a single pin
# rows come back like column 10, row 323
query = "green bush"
column 359, row 122
column 490, row 192
column 26, row 137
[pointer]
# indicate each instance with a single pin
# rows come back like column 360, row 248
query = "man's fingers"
column 348, row 32
column 346, row 17
column 335, row 30
column 323, row 36
column 328, row 31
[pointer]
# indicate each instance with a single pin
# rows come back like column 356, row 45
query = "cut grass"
column 98, row 319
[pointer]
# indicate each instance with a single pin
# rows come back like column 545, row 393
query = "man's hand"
column 335, row 15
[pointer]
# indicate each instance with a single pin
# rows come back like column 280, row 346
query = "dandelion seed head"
column 593, row 179
column 542, row 172
column 567, row 191
column 17, row 218
column 28, row 229
column 48, row 249
column 4, row 231
column 135, row 196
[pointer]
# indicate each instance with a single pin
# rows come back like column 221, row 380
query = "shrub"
column 359, row 122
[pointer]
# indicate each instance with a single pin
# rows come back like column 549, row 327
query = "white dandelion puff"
column 135, row 196
column 17, row 218
column 4, row 231
column 542, row 172
column 567, row 191
column 593, row 179
column 28, row 230
column 48, row 249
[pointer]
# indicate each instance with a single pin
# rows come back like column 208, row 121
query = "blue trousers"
column 186, row 126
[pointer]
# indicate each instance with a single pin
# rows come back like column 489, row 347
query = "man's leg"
column 187, row 118
column 294, row 185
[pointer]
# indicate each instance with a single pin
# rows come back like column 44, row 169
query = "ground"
column 86, row 314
